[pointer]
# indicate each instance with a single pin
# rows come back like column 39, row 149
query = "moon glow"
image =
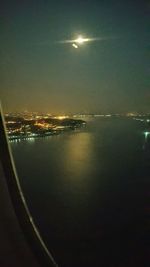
column 80, row 40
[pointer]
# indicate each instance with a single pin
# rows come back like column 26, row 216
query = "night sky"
column 40, row 74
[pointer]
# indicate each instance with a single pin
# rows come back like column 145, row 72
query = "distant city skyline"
column 42, row 72
column 67, row 115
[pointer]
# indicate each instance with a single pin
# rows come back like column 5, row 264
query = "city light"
column 61, row 117
column 39, row 126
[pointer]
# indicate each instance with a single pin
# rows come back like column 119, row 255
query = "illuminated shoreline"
column 21, row 129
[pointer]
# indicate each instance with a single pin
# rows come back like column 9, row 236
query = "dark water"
column 87, row 192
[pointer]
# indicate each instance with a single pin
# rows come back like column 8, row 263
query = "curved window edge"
column 24, row 218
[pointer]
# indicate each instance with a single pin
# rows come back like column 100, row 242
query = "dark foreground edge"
column 26, row 233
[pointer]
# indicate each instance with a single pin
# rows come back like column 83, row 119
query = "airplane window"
column 75, row 95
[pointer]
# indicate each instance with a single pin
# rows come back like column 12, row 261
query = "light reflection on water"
column 18, row 140
column 78, row 152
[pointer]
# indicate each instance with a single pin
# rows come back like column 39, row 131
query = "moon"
column 79, row 41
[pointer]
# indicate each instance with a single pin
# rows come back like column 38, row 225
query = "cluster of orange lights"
column 61, row 117
column 43, row 125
